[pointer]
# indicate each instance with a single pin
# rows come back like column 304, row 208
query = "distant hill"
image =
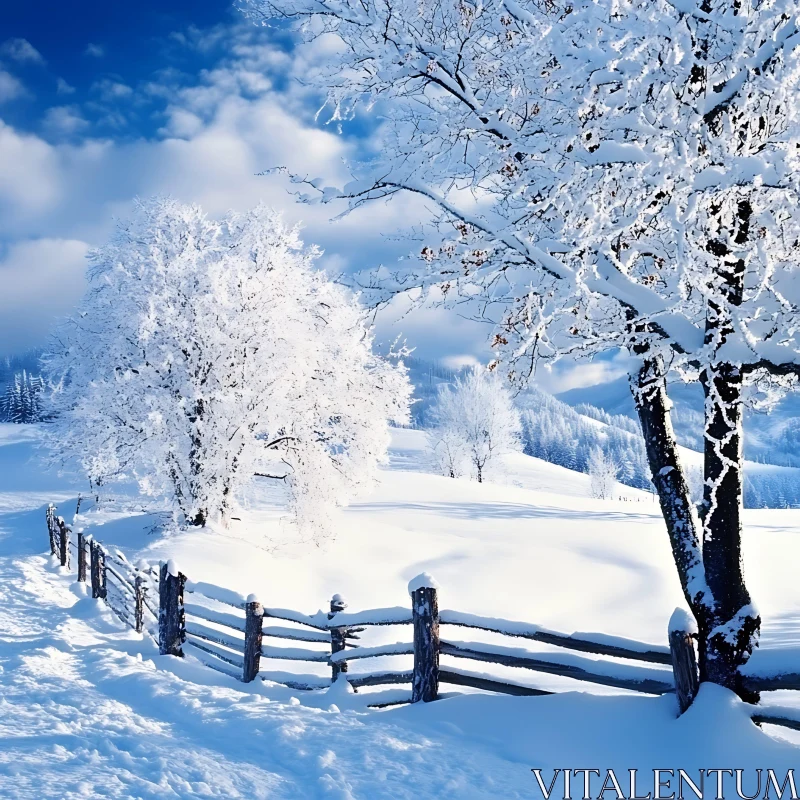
column 770, row 438
column 564, row 429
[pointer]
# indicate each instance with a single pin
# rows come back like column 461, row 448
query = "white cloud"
column 62, row 87
column 181, row 124
column 64, row 120
column 21, row 50
column 568, row 374
column 10, row 87
column 42, row 280
column 433, row 332
column 111, row 90
column 218, row 134
column 94, row 50
column 30, row 179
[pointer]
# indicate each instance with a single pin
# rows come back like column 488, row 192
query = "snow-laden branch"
column 584, row 160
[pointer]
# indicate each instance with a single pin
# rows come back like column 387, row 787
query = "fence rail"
column 226, row 630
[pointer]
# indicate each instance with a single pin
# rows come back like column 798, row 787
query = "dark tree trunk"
column 195, row 461
column 727, row 638
column 729, row 635
column 711, row 576
column 652, row 405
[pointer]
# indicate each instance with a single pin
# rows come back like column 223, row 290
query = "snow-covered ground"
column 90, row 710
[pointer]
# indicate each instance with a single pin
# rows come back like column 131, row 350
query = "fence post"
column 171, row 619
column 338, row 637
column 425, row 615
column 138, row 603
column 682, row 634
column 81, row 557
column 50, row 515
column 98, row 570
column 252, row 638
column 63, row 542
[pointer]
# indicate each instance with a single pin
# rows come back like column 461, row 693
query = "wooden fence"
column 232, row 634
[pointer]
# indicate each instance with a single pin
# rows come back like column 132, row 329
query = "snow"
column 91, row 709
column 423, row 581
column 682, row 621
column 213, row 592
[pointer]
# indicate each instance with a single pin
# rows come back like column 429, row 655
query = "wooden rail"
column 647, row 685
column 458, row 678
column 599, row 644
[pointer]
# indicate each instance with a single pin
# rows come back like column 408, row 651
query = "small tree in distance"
column 474, row 422
column 207, row 353
column 603, row 472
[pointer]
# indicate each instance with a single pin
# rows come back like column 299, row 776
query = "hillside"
column 90, row 707
column 769, row 437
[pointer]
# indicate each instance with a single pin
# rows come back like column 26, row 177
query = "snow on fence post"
column 63, row 542
column 138, row 603
column 682, row 635
column 171, row 619
column 81, row 557
column 98, row 570
column 425, row 615
column 338, row 636
column 252, row 638
column 50, row 515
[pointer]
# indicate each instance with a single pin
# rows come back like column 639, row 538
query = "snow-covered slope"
column 90, row 709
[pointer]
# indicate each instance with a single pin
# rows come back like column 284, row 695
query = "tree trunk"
column 728, row 636
column 652, row 405
column 733, row 628
column 197, row 477
column 711, row 576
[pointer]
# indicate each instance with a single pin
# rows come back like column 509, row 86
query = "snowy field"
column 89, row 709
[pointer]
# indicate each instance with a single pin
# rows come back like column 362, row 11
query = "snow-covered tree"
column 474, row 422
column 21, row 401
column 603, row 472
column 608, row 174
column 206, row 353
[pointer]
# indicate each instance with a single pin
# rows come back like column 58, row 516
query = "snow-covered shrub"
column 473, row 422
column 207, row 352
column 603, row 471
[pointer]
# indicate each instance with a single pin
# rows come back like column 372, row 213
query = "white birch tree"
column 206, row 353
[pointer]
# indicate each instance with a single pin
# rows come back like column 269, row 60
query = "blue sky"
column 104, row 102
